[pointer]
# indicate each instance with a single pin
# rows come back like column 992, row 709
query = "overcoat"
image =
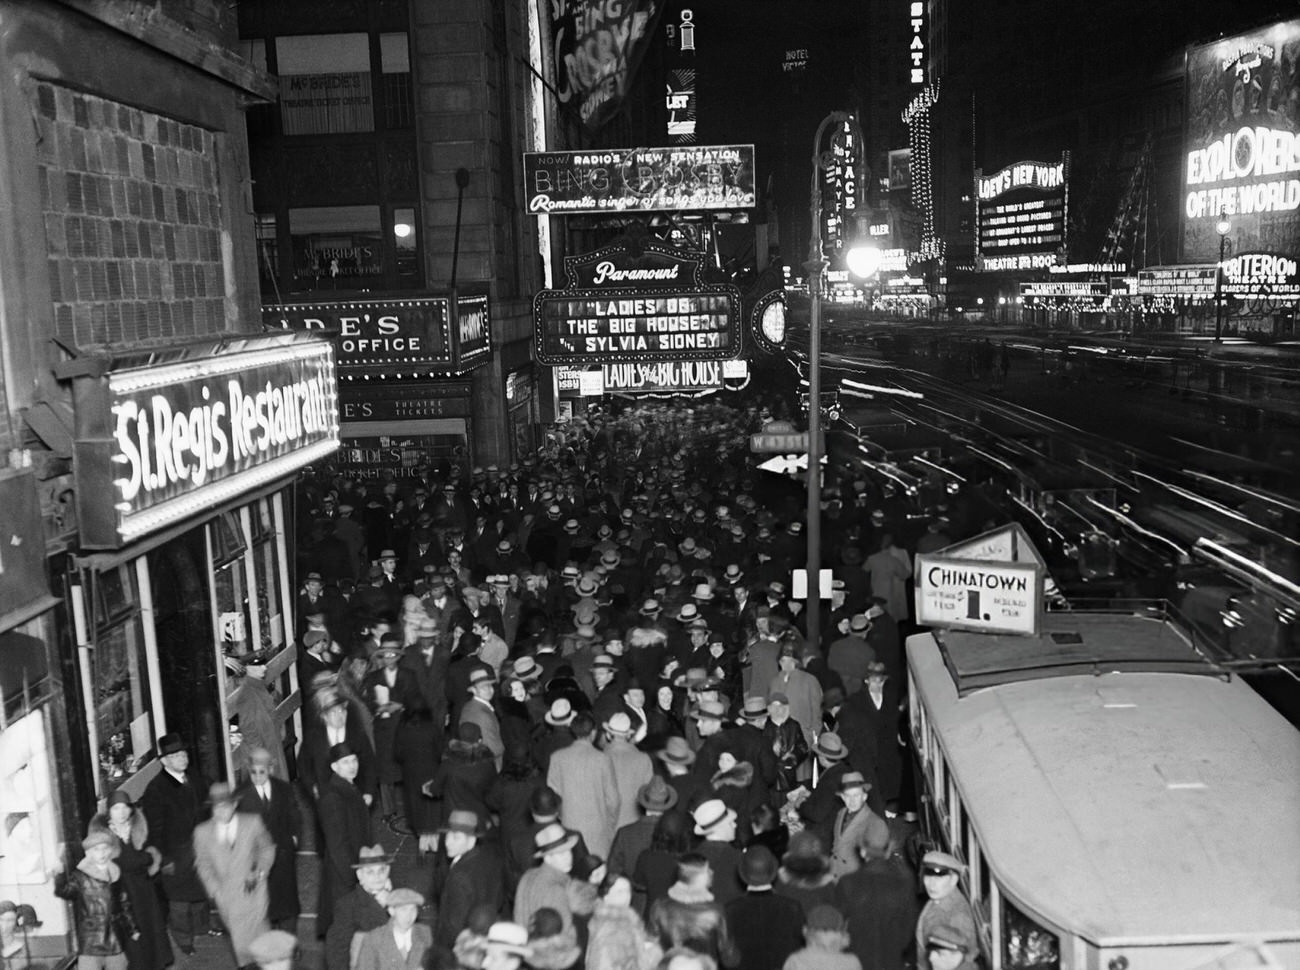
column 235, row 878
column 345, row 821
column 284, row 823
column 584, row 778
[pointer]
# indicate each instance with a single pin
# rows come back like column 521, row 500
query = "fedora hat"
column 587, row 586
column 754, row 709
column 560, row 713
column 830, row 747
column 387, row 554
column 220, row 793
column 526, row 668
column 372, row 855
column 859, row 622
column 505, row 546
column 852, row 780
column 733, row 574
column 481, row 675
column 508, row 938
column 650, row 607
column 676, row 751
column 170, row 744
column 709, row 710
column 620, row 724
column 709, row 814
column 688, row 612
column 656, row 795
column 461, row 820
column 553, row 838
column 702, row 591
column 604, row 661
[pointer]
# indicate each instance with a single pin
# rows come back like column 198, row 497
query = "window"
column 325, row 84
column 339, row 246
column 399, row 97
column 119, row 678
column 1025, row 944
column 268, row 255
column 406, row 239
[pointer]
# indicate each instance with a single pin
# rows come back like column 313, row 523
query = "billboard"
column 1242, row 144
column 1020, row 215
column 597, row 46
column 623, row 306
column 640, row 180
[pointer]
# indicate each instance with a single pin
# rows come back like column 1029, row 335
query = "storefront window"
column 235, row 627
column 269, row 608
column 336, row 246
column 123, row 707
column 30, row 841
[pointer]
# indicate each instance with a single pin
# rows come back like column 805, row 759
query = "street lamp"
column 815, row 268
column 1222, row 227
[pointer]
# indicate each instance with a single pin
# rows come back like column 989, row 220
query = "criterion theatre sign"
column 623, row 307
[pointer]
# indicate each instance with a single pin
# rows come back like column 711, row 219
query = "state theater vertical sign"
column 597, row 47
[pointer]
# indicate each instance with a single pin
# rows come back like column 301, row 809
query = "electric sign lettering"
column 916, row 47
column 1248, row 153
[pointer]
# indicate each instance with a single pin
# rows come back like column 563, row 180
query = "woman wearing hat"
column 464, row 775
column 138, row 862
column 616, row 934
column 103, row 913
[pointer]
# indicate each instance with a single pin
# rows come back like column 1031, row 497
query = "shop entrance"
column 186, row 657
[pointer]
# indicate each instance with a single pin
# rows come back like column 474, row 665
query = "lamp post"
column 1222, row 227
column 815, row 268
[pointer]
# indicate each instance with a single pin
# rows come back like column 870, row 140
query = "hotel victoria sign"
column 621, row 307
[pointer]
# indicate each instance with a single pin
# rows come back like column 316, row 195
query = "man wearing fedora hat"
column 850, row 654
column 768, row 927
column 632, row 767
column 233, row 854
column 548, row 884
column 479, row 710
column 474, row 875
column 870, row 721
column 333, row 720
column 654, row 798
column 717, row 825
column 360, row 909
column 400, row 944
column 585, row 781
column 421, row 725
column 171, row 804
column 345, row 827
column 819, row 809
column 855, row 825
column 383, row 689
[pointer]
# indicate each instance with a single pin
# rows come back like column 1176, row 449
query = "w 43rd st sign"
column 781, row 438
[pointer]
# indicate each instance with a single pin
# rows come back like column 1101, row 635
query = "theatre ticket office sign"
column 623, row 306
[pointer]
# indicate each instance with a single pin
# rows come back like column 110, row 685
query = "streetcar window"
column 1026, row 945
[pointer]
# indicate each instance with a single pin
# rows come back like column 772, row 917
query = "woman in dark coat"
column 656, row 869
column 464, row 776
column 513, row 789
column 138, row 861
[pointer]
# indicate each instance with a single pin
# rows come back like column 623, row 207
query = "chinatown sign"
column 385, row 335
column 978, row 595
column 1242, row 143
column 170, row 442
column 624, row 307
column 597, row 46
column 682, row 177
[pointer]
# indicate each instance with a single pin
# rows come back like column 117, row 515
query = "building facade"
column 150, row 433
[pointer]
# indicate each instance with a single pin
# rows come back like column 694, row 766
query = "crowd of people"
column 582, row 686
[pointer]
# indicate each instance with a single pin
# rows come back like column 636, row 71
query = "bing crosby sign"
column 623, row 307
column 157, row 445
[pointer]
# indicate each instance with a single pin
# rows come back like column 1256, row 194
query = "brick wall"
column 132, row 221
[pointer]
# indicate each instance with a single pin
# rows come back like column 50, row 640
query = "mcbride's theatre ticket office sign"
column 647, row 306
column 404, row 397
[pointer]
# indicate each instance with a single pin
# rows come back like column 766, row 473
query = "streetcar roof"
column 1128, row 807
column 1071, row 643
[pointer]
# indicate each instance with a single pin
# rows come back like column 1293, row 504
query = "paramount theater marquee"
column 622, row 306
column 1242, row 146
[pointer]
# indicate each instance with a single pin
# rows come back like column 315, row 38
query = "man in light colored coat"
column 633, row 768
column 584, row 779
column 479, row 710
column 233, row 853
column 855, row 825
